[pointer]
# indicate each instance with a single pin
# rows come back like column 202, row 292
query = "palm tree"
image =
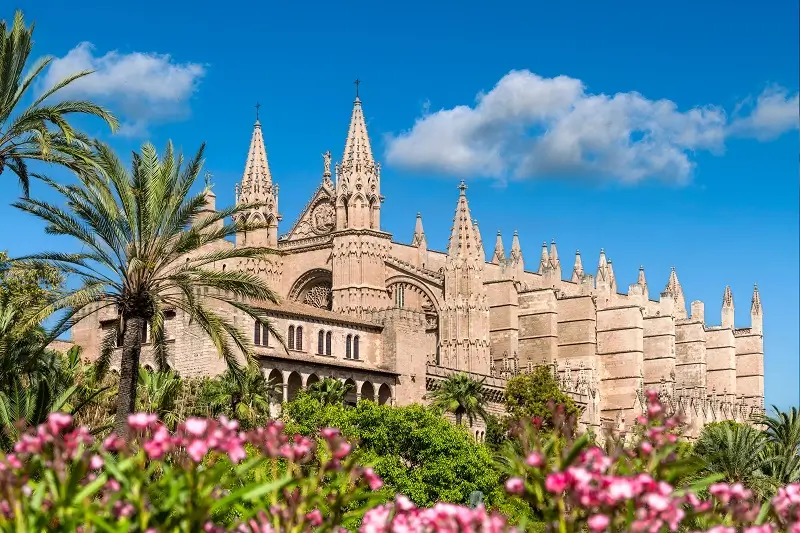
column 148, row 246
column 783, row 435
column 160, row 391
column 246, row 399
column 24, row 134
column 461, row 395
column 329, row 391
column 737, row 451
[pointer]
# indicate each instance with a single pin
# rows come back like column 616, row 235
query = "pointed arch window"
column 328, row 338
column 264, row 335
column 257, row 333
column 290, row 337
column 348, row 346
column 321, row 342
column 355, row 347
column 399, row 296
column 298, row 344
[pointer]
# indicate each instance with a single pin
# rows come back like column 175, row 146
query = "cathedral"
column 393, row 319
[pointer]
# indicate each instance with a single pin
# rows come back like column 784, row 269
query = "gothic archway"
column 313, row 288
column 407, row 294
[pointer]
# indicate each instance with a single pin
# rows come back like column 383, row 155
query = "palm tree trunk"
column 129, row 372
column 459, row 417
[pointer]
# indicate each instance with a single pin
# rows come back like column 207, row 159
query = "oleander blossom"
column 402, row 516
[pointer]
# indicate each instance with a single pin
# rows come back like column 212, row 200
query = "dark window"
column 299, row 342
column 291, row 337
column 355, row 347
column 328, row 343
column 347, row 347
column 320, row 342
column 257, row 333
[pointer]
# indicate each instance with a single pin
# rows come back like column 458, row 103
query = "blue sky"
column 666, row 136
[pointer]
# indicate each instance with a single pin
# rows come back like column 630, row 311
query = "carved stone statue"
column 326, row 160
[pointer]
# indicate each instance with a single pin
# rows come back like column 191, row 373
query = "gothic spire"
column 357, row 149
column 727, row 297
column 516, row 249
column 499, row 251
column 544, row 261
column 727, row 308
column 419, row 233
column 478, row 239
column 257, row 179
column 755, row 304
column 463, row 242
column 641, row 280
column 577, row 269
column 674, row 288
column 554, row 262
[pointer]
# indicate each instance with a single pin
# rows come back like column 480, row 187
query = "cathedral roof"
column 298, row 309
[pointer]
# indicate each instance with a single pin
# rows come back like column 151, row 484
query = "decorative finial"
column 462, row 187
column 498, row 233
column 419, row 215
column 577, row 252
column 257, row 108
column 554, row 241
column 207, row 177
column 357, row 83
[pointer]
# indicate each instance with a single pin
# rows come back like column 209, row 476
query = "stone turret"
column 464, row 321
column 478, row 239
column 257, row 188
column 577, row 268
column 675, row 290
column 420, row 242
column 515, row 258
column 499, row 254
column 727, row 308
column 605, row 275
column 544, row 260
column 756, row 315
column 555, row 263
column 358, row 178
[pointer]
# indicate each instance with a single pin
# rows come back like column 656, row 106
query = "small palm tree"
column 148, row 246
column 329, row 391
column 783, row 435
column 160, row 391
column 738, row 452
column 24, row 134
column 247, row 398
column 461, row 395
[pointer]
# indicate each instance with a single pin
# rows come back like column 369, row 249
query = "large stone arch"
column 313, row 288
column 417, row 296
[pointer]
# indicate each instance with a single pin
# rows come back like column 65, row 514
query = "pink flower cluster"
column 404, row 517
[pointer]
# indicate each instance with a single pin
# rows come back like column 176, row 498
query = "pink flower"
column 96, row 462
column 113, row 443
column 372, row 478
column 197, row 449
column 142, row 421
column 556, row 482
column 598, row 522
column 58, row 422
column 329, row 433
column 515, row 485
column 196, row 426
column 342, row 451
column 314, row 518
column 534, row 459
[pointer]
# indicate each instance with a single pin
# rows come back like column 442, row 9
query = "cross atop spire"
column 257, row 179
column 357, row 150
column 463, row 241
column 257, row 108
column 357, row 83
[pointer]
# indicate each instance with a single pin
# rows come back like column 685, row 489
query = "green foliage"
column 246, row 398
column 416, row 451
column 40, row 132
column 461, row 395
column 531, row 395
column 329, row 391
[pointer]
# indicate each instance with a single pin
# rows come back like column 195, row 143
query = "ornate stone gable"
column 317, row 218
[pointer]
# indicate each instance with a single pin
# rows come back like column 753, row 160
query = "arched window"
column 298, row 344
column 347, row 346
column 320, row 342
column 290, row 337
column 355, row 347
column 264, row 335
column 328, row 343
column 399, row 296
column 257, row 333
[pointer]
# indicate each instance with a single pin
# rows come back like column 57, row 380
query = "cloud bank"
column 529, row 126
column 143, row 89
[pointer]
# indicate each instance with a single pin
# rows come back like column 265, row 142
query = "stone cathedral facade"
column 394, row 319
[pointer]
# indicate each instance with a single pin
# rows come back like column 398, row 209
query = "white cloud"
column 528, row 126
column 142, row 88
column 774, row 112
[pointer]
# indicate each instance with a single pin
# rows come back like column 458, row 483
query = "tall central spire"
column 257, row 179
column 463, row 242
column 358, row 178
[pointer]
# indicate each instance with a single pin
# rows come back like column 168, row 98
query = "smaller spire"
column 478, row 239
column 499, row 252
column 577, row 269
column 516, row 249
column 641, row 280
column 554, row 262
column 544, row 261
column 419, row 232
column 755, row 304
column 727, row 297
column 603, row 262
